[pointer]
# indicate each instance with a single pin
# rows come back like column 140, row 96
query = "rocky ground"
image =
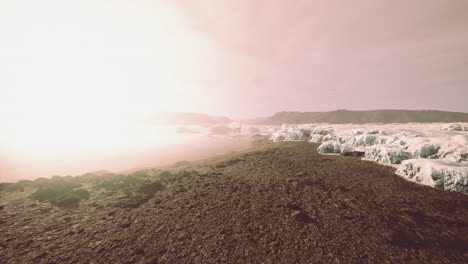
column 278, row 203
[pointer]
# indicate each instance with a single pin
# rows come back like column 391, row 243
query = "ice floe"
column 432, row 154
column 436, row 173
column 455, row 127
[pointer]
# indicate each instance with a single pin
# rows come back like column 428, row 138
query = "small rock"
column 97, row 243
column 301, row 174
column 111, row 213
column 40, row 255
column 183, row 235
column 295, row 213
column 78, row 229
column 125, row 225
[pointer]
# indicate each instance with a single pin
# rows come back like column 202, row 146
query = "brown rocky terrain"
column 278, row 203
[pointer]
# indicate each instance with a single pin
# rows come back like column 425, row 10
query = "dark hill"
column 371, row 116
column 173, row 118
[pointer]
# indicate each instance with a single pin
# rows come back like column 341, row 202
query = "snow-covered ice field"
column 431, row 154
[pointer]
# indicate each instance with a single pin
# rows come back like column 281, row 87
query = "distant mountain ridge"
column 180, row 118
column 368, row 116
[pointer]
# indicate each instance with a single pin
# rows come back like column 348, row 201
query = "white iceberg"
column 392, row 144
column 332, row 146
column 291, row 134
column 436, row 173
column 454, row 127
column 422, row 149
column 389, row 154
column 454, row 150
column 316, row 138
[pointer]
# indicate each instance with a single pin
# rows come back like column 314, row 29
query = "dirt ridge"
column 282, row 203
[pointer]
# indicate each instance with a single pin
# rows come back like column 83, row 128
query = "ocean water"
column 69, row 150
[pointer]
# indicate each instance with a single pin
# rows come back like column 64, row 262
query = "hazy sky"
column 88, row 59
column 74, row 73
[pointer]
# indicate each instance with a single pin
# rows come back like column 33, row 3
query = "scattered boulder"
column 183, row 174
column 72, row 202
column 125, row 224
column 45, row 194
column 165, row 174
column 57, row 183
column 301, row 216
column 106, row 185
column 11, row 187
column 183, row 163
column 132, row 201
column 25, row 183
column 60, row 196
column 229, row 162
column 82, row 194
column 41, row 180
column 167, row 177
column 151, row 188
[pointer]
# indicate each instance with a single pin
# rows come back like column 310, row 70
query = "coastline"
column 277, row 202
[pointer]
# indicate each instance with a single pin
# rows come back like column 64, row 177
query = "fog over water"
column 119, row 148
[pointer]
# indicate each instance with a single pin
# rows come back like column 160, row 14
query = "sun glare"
column 77, row 81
